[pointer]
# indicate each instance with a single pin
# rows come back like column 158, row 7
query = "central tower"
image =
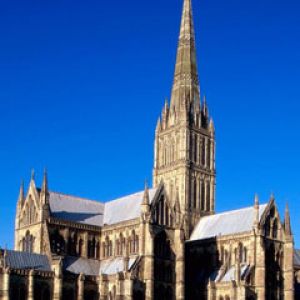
column 184, row 158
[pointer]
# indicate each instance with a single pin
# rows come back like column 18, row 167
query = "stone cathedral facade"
column 165, row 242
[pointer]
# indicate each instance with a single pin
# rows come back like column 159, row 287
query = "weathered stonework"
column 145, row 246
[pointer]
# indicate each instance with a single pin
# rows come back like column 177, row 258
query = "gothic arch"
column 28, row 242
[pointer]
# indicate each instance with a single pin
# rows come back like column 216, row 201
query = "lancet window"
column 134, row 243
column 28, row 243
column 92, row 247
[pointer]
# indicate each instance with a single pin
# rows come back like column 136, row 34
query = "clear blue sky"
column 83, row 82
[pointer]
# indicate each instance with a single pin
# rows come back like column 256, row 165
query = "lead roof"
column 80, row 210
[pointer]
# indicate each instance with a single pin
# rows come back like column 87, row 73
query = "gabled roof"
column 76, row 209
column 96, row 213
column 28, row 261
column 227, row 223
column 125, row 208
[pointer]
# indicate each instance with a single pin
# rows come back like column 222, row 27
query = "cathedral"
column 165, row 242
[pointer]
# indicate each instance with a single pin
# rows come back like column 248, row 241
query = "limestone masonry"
column 165, row 242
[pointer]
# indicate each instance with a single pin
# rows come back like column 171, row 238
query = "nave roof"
column 85, row 211
column 226, row 223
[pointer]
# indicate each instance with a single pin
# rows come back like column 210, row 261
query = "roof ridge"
column 233, row 211
column 77, row 197
column 123, row 197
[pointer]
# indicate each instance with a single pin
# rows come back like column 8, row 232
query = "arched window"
column 131, row 244
column 28, row 243
column 91, row 247
column 104, row 249
column 72, row 244
column 202, row 195
column 110, row 248
column 203, row 152
column 194, row 193
column 207, row 196
column 136, row 244
column 245, row 253
column 123, row 245
column 118, row 247
column 208, row 154
column 98, row 250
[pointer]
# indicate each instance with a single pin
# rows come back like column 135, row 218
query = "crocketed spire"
column 186, row 90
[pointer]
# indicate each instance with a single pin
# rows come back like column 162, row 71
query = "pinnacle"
column 45, row 181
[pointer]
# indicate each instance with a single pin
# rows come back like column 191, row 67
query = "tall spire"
column 186, row 89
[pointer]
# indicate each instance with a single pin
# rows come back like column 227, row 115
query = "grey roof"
column 78, row 265
column 115, row 265
column 125, row 208
column 230, row 222
column 297, row 257
column 76, row 209
column 95, row 213
column 92, row 267
column 24, row 260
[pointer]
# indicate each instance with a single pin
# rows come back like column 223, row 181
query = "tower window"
column 28, row 243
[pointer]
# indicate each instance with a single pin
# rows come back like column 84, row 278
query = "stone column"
column 85, row 245
column 233, row 288
column 149, row 263
column 179, row 264
column 260, row 268
column 6, row 284
column 31, row 285
column 211, row 291
column 128, row 287
column 288, row 269
column 80, row 287
column 58, row 282
column 103, row 287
